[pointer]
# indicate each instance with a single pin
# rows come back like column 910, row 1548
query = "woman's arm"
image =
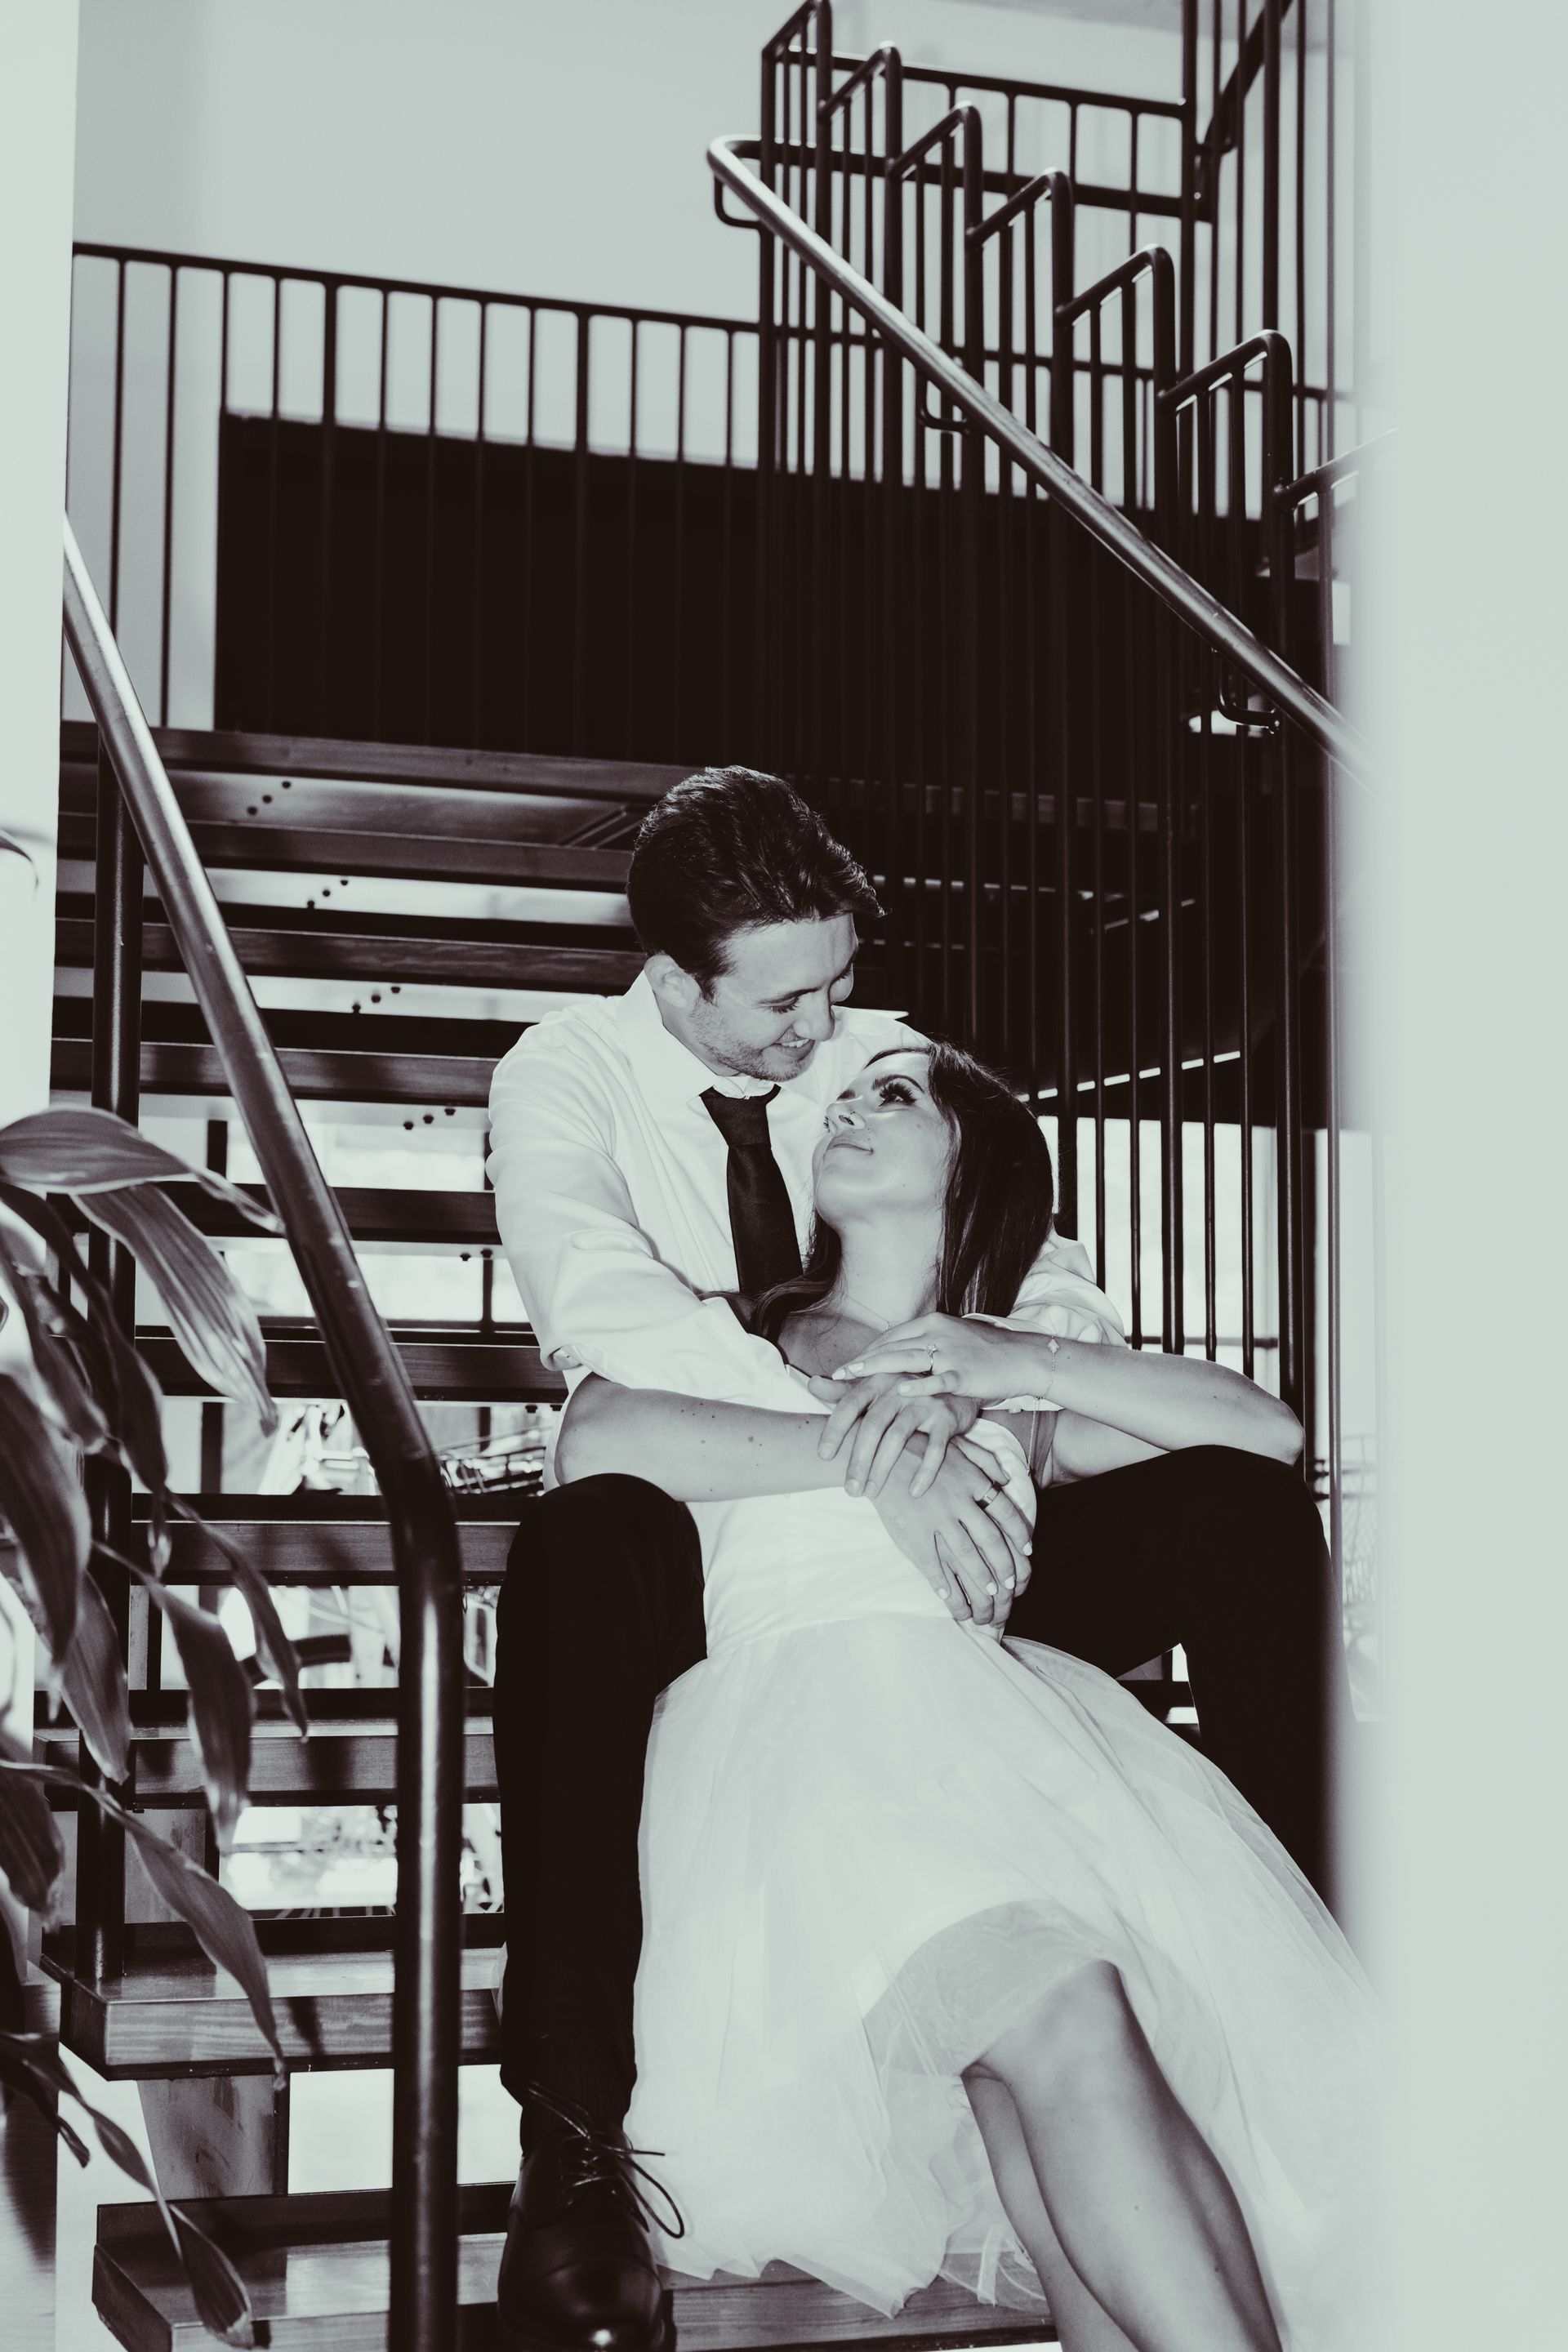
column 1116, row 1405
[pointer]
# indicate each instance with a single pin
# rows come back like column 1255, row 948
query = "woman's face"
column 885, row 1144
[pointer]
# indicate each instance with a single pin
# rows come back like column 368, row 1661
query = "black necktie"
column 760, row 1218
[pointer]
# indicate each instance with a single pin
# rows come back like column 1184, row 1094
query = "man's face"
column 771, row 1010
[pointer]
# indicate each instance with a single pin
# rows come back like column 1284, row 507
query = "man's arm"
column 589, row 1278
column 965, row 1535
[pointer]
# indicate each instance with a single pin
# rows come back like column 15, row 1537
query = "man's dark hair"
column 727, row 851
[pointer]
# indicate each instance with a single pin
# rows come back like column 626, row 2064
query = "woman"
column 955, row 1959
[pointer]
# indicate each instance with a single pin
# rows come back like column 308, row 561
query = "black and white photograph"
column 782, row 1254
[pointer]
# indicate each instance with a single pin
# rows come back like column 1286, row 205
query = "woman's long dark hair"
column 997, row 1215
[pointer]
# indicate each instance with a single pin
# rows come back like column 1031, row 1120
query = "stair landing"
column 316, row 2268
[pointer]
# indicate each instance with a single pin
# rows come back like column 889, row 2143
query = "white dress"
column 871, row 1838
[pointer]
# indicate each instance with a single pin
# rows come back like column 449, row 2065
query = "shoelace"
column 595, row 2156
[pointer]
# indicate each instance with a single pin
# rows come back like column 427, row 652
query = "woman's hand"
column 884, row 1421
column 947, row 1355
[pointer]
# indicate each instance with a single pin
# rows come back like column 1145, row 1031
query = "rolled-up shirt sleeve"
column 598, row 1297
column 1060, row 1299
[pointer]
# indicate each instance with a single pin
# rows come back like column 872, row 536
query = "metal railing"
column 324, row 503
column 373, row 1379
column 1030, row 688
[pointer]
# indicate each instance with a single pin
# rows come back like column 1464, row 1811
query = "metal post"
column 116, row 1086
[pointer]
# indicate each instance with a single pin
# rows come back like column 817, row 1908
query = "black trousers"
column 1216, row 1551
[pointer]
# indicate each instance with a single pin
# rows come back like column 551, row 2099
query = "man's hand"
column 884, row 1422
column 965, row 1535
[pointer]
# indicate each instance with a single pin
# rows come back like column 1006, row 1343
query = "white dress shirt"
column 612, row 1197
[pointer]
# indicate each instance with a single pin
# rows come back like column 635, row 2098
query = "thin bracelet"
column 1054, row 1346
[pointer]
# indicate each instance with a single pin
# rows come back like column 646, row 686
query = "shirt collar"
column 669, row 1074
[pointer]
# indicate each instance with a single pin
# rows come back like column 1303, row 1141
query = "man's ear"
column 671, row 983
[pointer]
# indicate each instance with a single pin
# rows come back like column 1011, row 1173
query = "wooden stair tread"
column 423, row 1080
column 455, row 1369
column 348, row 1759
column 261, row 846
column 433, row 767
column 272, row 951
column 178, row 2015
column 326, row 1540
column 373, row 1214
column 316, row 2268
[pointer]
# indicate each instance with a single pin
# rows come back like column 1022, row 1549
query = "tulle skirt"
column 869, row 1848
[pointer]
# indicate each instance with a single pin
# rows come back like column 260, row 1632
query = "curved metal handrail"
column 1192, row 603
column 375, row 1385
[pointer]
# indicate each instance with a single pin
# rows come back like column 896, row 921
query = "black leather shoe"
column 577, row 2273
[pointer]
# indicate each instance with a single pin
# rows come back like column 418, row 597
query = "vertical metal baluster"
column 1138, row 643
column 1334, row 1116
column 873, row 754
column 1187, row 260
column 477, row 727
column 378, row 656
column 1206, row 858
column 580, row 537
column 1300, row 466
column 427, row 631
column 679, row 666
column 1287, row 1103
column 726, row 560
column 767, row 413
column 1135, row 124
column 630, row 664
column 1097, row 709
column 899, row 909
column 794, row 686
column 166, row 603
column 1215, row 170
column 1271, row 96
column 1331, row 214
column 525, row 633
column 1239, row 322
column 116, row 1084
column 1033, row 510
column 825, row 604
column 1011, row 659
column 946, row 564
column 329, row 486
column 268, row 713
column 1248, row 764
column 116, row 462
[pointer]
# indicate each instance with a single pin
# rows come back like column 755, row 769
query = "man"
column 651, row 1154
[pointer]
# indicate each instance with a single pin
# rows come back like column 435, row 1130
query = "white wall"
column 1465, row 1868
column 515, row 145
column 37, row 55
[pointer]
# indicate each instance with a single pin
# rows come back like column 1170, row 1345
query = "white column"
column 1463, row 1851
column 37, row 154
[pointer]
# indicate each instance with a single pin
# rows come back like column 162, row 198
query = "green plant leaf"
column 211, row 1317
column 41, row 1495
column 32, row 1852
column 84, row 1150
column 225, row 1933
column 33, row 2064
column 54, row 1358
column 222, row 1701
column 273, row 1646
column 221, row 2298
column 92, row 1678
column 121, row 1382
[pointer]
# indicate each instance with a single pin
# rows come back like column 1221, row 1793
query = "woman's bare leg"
column 1082, row 2324
column 1140, row 2208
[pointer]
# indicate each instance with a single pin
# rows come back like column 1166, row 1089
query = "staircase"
column 363, row 881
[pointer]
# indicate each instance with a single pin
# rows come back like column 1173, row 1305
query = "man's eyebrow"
column 793, row 995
